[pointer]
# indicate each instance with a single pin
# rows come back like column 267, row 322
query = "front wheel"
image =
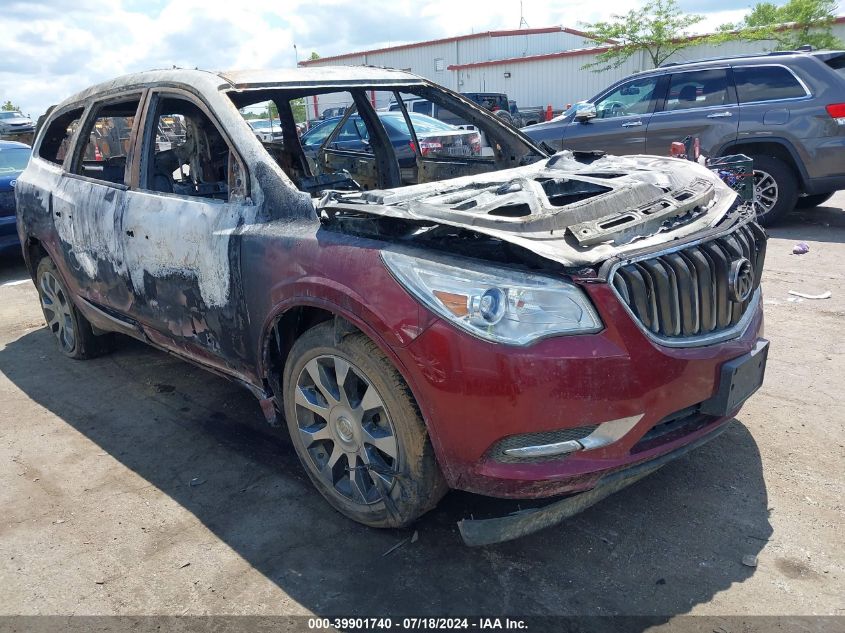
column 775, row 189
column 357, row 430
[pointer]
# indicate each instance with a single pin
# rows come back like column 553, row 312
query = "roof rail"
column 726, row 57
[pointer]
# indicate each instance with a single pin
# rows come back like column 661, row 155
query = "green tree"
column 298, row 107
column 796, row 23
column 659, row 29
column 314, row 56
column 9, row 107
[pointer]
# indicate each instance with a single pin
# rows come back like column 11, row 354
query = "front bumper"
column 474, row 394
column 477, row 532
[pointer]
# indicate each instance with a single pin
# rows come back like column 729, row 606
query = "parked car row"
column 497, row 103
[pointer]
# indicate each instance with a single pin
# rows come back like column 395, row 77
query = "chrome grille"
column 687, row 293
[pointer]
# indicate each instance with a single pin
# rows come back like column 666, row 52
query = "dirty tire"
column 786, row 195
column 69, row 327
column 505, row 116
column 815, row 200
column 396, row 421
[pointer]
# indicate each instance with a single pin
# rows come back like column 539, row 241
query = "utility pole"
column 523, row 23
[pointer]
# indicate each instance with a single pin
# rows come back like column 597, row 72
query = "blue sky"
column 53, row 48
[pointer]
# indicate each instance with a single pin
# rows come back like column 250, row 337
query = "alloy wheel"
column 345, row 429
column 765, row 192
column 57, row 311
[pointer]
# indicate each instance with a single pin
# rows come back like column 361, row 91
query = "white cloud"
column 53, row 48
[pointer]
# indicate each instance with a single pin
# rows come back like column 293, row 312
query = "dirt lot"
column 138, row 484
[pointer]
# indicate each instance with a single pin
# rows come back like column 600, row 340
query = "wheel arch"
column 33, row 253
column 301, row 313
column 778, row 147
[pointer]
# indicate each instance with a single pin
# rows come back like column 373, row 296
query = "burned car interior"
column 376, row 164
column 193, row 159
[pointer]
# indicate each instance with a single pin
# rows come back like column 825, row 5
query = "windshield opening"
column 364, row 138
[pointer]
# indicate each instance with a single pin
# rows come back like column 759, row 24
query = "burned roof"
column 306, row 78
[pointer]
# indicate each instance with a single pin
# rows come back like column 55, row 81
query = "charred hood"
column 566, row 209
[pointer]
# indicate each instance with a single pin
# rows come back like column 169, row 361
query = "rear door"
column 698, row 103
column 90, row 197
column 772, row 100
column 622, row 117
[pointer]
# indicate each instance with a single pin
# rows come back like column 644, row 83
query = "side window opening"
column 187, row 155
column 104, row 155
column 57, row 138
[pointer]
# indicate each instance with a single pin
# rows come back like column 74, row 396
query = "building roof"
column 455, row 38
column 575, row 52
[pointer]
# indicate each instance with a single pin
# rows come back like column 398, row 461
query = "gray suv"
column 785, row 110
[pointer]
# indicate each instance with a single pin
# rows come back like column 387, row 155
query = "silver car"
column 13, row 122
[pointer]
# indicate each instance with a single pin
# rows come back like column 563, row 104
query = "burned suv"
column 499, row 320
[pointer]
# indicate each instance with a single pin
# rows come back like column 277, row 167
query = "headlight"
column 497, row 304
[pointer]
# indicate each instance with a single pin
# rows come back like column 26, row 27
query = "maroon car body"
column 655, row 348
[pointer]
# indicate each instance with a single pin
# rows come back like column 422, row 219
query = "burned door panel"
column 180, row 254
column 89, row 200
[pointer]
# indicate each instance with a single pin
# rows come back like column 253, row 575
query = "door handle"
column 719, row 115
column 632, row 124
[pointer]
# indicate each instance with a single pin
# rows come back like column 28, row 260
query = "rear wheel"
column 815, row 200
column 505, row 116
column 357, row 430
column 71, row 329
column 775, row 189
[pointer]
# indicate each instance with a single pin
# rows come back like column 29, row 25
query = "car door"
column 698, row 103
column 772, row 99
column 347, row 149
column 181, row 220
column 622, row 117
column 89, row 199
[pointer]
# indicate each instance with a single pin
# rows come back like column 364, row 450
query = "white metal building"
column 536, row 67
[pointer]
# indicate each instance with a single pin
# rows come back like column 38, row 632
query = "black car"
column 785, row 110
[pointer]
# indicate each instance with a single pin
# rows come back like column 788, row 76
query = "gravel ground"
column 138, row 484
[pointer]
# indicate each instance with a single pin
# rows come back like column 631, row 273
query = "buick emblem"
column 740, row 280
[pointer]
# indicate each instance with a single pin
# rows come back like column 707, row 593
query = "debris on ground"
column 825, row 295
column 415, row 537
column 396, row 547
column 801, row 248
column 196, row 481
column 749, row 560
